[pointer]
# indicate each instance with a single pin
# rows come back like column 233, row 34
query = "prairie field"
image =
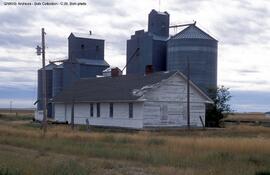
column 248, row 116
column 24, row 150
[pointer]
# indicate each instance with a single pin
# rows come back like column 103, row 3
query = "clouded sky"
column 242, row 28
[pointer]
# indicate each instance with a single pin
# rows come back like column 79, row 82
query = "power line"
column 130, row 58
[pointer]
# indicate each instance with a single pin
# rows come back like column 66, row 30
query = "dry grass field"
column 241, row 150
column 248, row 116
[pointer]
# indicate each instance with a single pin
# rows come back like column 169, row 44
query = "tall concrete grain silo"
column 85, row 58
column 149, row 48
column 199, row 49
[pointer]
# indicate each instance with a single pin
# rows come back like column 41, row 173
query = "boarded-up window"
column 91, row 110
column 164, row 112
column 130, row 110
column 98, row 109
column 111, row 109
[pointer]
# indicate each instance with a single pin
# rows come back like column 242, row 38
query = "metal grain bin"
column 200, row 49
column 49, row 76
column 57, row 80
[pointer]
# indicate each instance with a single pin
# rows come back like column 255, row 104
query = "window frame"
column 130, row 110
column 98, row 110
column 91, row 110
column 111, row 110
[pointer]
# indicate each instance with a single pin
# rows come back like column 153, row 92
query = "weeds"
column 196, row 152
column 155, row 141
column 263, row 173
column 15, row 117
column 7, row 171
column 69, row 168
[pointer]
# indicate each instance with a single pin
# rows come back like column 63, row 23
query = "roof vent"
column 90, row 32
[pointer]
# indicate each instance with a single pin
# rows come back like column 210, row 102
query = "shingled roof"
column 112, row 89
column 109, row 88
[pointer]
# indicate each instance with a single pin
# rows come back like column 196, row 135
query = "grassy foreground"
column 238, row 150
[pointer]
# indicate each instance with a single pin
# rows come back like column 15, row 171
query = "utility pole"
column 73, row 78
column 41, row 50
column 188, row 93
column 44, row 83
column 73, row 98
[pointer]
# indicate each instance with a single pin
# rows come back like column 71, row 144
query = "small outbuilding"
column 132, row 101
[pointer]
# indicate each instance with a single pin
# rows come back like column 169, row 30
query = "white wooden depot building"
column 132, row 101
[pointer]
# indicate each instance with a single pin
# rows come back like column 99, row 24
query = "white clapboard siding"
column 166, row 104
column 161, row 105
column 60, row 112
column 68, row 112
column 120, row 114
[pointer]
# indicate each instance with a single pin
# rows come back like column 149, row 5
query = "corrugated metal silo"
column 200, row 49
column 57, row 80
column 49, row 80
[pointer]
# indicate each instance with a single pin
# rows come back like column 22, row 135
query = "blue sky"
column 242, row 28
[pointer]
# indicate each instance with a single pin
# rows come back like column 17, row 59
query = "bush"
column 220, row 108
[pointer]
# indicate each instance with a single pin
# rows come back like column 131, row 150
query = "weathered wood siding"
column 120, row 114
column 63, row 112
column 59, row 112
column 166, row 105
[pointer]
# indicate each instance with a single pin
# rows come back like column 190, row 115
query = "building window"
column 97, row 48
column 130, row 110
column 164, row 112
column 91, row 110
column 111, row 110
column 98, row 109
column 82, row 46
